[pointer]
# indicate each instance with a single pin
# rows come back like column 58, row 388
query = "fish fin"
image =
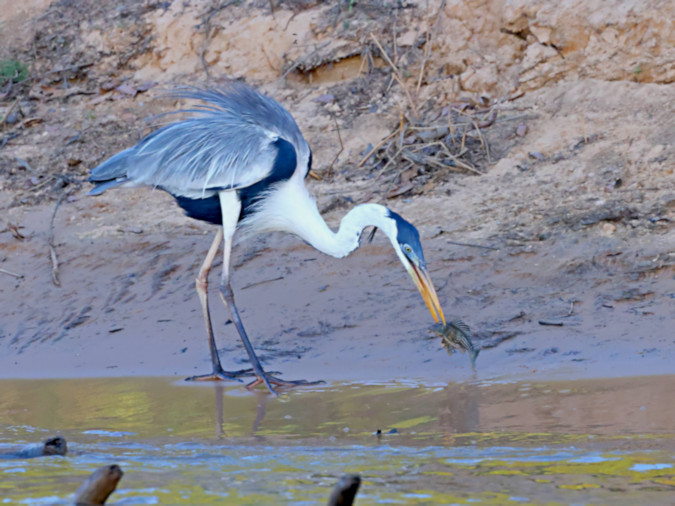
column 462, row 327
column 474, row 356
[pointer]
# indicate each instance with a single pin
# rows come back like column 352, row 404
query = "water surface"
column 600, row 441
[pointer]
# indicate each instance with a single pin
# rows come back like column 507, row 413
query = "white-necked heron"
column 239, row 161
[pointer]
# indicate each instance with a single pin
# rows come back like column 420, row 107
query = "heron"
column 238, row 160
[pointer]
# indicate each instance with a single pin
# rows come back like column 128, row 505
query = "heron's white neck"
column 291, row 209
column 346, row 240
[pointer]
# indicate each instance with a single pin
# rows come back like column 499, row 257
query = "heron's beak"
column 426, row 288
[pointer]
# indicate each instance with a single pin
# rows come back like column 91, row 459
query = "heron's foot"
column 219, row 374
column 268, row 380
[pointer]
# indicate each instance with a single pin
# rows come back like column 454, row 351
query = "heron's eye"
column 407, row 249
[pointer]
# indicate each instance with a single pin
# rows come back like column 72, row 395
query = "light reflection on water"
column 602, row 440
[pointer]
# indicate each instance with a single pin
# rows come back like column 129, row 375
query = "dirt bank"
column 564, row 173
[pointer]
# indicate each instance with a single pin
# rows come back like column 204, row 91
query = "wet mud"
column 548, row 309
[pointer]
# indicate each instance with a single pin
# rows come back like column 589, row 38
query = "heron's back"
column 208, row 208
column 229, row 142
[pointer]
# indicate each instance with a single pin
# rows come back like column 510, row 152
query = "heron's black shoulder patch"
column 284, row 166
column 406, row 232
column 285, row 163
column 207, row 209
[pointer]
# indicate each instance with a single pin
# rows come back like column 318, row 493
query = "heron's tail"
column 111, row 173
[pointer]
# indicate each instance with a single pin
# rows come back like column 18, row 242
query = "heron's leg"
column 262, row 376
column 231, row 208
column 201, row 284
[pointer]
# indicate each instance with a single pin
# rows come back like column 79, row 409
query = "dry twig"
column 9, row 273
column 9, row 111
column 50, row 241
column 99, row 486
column 299, row 62
column 428, row 46
column 208, row 32
column 482, row 140
column 378, row 146
column 395, row 74
column 469, row 245
column 342, row 147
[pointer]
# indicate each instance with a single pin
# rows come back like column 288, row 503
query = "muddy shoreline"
column 127, row 306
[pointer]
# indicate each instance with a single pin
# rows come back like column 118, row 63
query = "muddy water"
column 601, row 441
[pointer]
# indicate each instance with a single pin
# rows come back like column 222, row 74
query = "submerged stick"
column 98, row 487
column 51, row 446
column 56, row 445
column 345, row 490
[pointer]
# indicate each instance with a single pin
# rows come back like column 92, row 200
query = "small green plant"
column 12, row 70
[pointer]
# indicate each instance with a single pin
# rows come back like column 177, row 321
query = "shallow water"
column 601, row 441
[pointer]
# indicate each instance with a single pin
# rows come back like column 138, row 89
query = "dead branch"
column 489, row 121
column 299, row 62
column 345, row 490
column 469, row 245
column 208, row 32
column 342, row 147
column 9, row 273
column 100, row 484
column 428, row 46
column 50, row 242
column 258, row 283
column 8, row 112
column 69, row 69
column 482, row 139
column 378, row 146
column 395, row 74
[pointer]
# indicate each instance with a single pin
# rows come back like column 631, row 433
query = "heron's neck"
column 346, row 240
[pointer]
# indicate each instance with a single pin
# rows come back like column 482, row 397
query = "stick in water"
column 345, row 491
column 98, row 487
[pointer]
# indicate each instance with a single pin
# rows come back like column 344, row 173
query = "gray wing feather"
column 225, row 143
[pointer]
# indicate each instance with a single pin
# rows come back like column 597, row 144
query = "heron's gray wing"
column 201, row 154
column 229, row 142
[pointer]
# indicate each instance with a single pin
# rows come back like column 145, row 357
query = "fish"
column 457, row 334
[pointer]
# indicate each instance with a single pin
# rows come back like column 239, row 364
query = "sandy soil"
column 575, row 199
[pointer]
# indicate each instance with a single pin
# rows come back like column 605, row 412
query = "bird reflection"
column 219, row 391
column 459, row 412
column 262, row 398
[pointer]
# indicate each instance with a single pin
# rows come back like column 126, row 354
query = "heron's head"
column 406, row 241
